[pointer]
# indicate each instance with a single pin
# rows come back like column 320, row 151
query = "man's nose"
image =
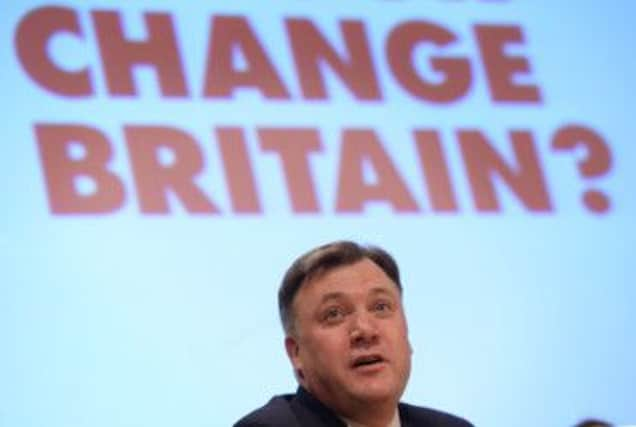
column 363, row 329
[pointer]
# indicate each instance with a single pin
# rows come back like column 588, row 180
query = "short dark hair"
column 322, row 259
column 593, row 423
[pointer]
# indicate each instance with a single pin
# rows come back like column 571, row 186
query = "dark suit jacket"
column 304, row 410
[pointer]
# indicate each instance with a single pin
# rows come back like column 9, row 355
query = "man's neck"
column 372, row 421
column 364, row 413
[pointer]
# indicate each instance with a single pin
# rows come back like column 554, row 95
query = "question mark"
column 596, row 163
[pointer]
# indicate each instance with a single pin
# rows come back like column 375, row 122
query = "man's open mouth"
column 367, row 360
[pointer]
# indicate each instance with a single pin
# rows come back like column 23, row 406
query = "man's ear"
column 293, row 350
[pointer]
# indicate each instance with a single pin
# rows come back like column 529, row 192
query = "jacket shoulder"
column 276, row 412
column 418, row 416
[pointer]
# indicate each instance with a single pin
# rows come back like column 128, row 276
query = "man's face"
column 350, row 344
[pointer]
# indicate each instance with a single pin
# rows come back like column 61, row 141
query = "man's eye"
column 382, row 306
column 333, row 314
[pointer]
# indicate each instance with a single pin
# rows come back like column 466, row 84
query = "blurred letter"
column 62, row 169
column 228, row 34
column 438, row 183
column 483, row 163
column 32, row 39
column 501, row 68
column 400, row 49
column 293, row 147
column 310, row 50
column 360, row 146
column 159, row 51
column 155, row 176
column 238, row 170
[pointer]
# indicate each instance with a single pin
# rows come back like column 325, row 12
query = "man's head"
column 346, row 333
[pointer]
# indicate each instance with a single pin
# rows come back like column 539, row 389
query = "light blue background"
column 516, row 319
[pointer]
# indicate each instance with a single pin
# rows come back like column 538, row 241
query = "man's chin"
column 372, row 393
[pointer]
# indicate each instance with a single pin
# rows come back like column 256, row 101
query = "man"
column 346, row 337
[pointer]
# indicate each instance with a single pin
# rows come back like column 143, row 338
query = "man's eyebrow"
column 379, row 290
column 331, row 295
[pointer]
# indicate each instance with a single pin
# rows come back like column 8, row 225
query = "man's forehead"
column 377, row 290
column 364, row 274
